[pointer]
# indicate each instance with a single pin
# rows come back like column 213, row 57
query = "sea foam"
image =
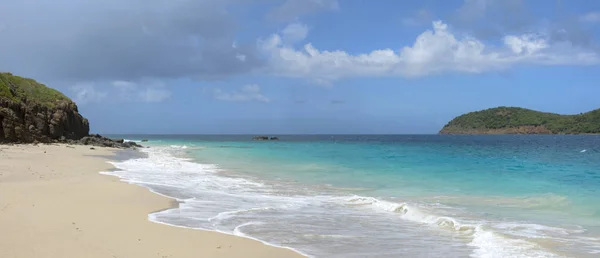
column 255, row 209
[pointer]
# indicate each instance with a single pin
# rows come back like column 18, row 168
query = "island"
column 516, row 120
column 31, row 112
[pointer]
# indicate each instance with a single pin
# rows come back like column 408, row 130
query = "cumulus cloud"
column 434, row 51
column 125, row 41
column 250, row 92
column 294, row 32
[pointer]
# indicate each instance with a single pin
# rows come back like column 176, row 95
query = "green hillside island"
column 515, row 120
column 19, row 89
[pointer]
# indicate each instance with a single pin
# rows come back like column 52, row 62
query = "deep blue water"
column 384, row 196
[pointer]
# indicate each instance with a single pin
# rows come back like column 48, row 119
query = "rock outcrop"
column 28, row 122
column 98, row 140
column 31, row 112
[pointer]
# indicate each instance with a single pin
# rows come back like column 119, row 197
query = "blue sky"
column 304, row 66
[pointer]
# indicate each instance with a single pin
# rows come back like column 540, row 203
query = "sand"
column 54, row 203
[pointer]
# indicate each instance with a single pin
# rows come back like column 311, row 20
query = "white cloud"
column 434, row 51
column 124, row 85
column 241, row 57
column 154, row 94
column 250, row 92
column 125, row 91
column 591, row 17
column 525, row 44
column 87, row 93
column 146, row 91
column 294, row 32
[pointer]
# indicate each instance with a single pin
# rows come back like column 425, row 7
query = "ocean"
column 382, row 195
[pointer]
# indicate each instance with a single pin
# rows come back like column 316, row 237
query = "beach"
column 55, row 203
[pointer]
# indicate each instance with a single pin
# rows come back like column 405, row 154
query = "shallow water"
column 384, row 196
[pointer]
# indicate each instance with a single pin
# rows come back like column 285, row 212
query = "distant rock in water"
column 514, row 120
column 264, row 138
column 144, row 140
column 274, row 138
column 31, row 112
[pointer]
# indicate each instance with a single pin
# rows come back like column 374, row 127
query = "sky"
column 304, row 66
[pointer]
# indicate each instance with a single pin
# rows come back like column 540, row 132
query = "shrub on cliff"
column 21, row 89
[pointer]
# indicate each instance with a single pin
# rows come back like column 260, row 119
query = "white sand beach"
column 54, row 203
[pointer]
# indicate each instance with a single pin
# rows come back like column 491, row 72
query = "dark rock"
column 101, row 141
column 264, row 138
column 144, row 140
column 26, row 122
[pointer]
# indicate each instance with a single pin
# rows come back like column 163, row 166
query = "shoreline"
column 55, row 203
column 174, row 204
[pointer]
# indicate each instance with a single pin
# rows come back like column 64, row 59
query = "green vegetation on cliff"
column 30, row 112
column 514, row 120
column 21, row 89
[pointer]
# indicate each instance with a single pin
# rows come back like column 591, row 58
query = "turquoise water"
column 384, row 196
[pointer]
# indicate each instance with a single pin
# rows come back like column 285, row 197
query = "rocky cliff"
column 28, row 122
column 30, row 111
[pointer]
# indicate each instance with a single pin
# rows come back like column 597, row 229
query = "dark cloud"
column 122, row 39
column 292, row 9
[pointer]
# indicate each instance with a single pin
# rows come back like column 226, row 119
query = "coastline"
column 55, row 203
